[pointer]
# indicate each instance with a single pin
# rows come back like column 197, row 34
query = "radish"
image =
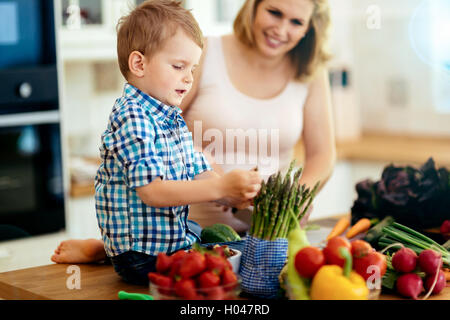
column 445, row 229
column 404, row 260
column 440, row 282
column 409, row 285
column 430, row 261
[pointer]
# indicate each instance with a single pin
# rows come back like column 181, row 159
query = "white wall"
column 395, row 86
column 392, row 84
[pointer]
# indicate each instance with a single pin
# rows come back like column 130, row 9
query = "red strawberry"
column 193, row 264
column 185, row 288
column 175, row 268
column 165, row 283
column 180, row 254
column 228, row 279
column 216, row 263
column 208, row 279
column 177, row 260
column 163, row 262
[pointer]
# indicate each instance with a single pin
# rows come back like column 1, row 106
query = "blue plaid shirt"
column 145, row 139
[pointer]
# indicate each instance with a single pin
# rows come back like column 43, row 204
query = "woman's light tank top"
column 240, row 131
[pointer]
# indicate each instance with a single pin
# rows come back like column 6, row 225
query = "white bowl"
column 235, row 260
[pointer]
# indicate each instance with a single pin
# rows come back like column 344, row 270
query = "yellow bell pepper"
column 334, row 283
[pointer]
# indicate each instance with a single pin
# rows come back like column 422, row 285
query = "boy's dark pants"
column 134, row 266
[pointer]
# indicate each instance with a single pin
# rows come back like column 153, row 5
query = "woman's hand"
column 305, row 218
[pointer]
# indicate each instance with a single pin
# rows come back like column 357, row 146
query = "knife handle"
column 123, row 295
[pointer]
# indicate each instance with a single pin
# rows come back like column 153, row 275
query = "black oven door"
column 31, row 175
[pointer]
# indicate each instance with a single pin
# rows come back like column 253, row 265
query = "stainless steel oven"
column 31, row 175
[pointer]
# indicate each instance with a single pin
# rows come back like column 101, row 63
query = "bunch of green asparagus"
column 271, row 218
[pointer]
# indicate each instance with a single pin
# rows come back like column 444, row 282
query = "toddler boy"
column 150, row 172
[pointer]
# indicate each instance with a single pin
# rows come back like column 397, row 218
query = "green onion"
column 384, row 243
column 418, row 235
column 397, row 233
column 447, row 245
column 404, row 237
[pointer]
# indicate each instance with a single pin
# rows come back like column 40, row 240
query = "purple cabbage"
column 418, row 198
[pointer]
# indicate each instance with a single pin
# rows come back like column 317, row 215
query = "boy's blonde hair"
column 310, row 53
column 149, row 25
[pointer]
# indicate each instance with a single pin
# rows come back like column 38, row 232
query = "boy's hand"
column 239, row 187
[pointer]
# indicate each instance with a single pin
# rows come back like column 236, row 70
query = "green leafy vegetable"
column 418, row 198
column 397, row 233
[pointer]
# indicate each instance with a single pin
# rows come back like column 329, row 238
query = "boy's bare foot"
column 79, row 251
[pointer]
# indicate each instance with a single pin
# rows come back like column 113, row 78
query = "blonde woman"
column 265, row 84
column 268, row 76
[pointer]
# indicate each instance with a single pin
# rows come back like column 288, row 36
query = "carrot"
column 361, row 226
column 339, row 228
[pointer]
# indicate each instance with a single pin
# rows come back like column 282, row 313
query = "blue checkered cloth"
column 261, row 264
column 145, row 139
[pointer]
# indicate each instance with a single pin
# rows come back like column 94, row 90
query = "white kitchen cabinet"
column 339, row 193
column 94, row 40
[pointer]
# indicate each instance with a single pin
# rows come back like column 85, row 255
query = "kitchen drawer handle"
column 29, row 118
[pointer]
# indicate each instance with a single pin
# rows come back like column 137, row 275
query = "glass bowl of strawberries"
column 197, row 274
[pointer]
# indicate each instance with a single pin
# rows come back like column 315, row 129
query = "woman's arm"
column 318, row 133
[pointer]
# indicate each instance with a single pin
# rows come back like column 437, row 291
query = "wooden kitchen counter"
column 373, row 147
column 99, row 281
column 398, row 149
column 388, row 148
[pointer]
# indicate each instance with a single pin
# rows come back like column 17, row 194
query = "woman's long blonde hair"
column 310, row 53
